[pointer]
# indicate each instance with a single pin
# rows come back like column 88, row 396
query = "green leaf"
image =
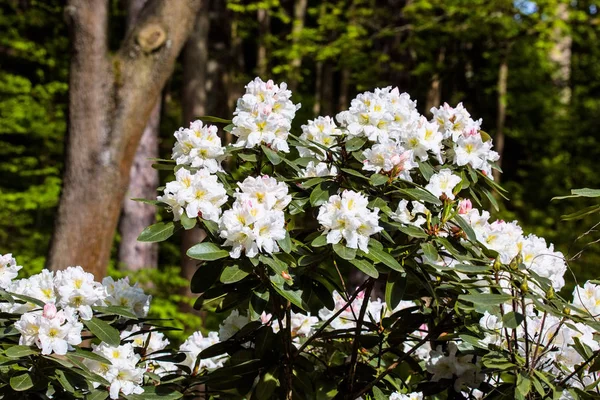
column 585, row 192
column 378, row 179
column 207, row 252
column 115, row 310
column 148, row 201
column 160, row 392
column 486, row 298
column 353, row 172
column 286, row 243
column 272, row 155
column 385, row 258
column 492, row 199
column 205, row 276
column 523, row 385
column 421, row 195
column 187, row 222
column 344, row 252
column 464, row 225
column 412, row 231
column 319, row 195
column 20, row 351
column 103, row 331
column 355, row 143
column 158, row 232
column 512, row 319
column 426, row 170
column 394, row 290
column 365, row 266
column 581, row 213
column 21, row 382
column 79, row 352
column 208, row 118
column 233, row 274
column 471, row 269
column 430, row 251
column 319, row 241
column 248, row 157
column 97, row 395
column 378, row 394
column 28, row 299
column 266, row 386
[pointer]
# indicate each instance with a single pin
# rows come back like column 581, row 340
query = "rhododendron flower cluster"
column 8, row 270
column 199, row 146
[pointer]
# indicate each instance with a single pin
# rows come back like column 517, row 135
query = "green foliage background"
column 550, row 148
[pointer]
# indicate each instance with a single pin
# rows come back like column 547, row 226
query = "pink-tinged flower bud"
column 464, row 206
column 396, row 159
column 265, row 318
column 49, row 311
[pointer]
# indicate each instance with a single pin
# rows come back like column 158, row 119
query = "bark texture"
column 143, row 181
column 434, row 94
column 561, row 54
column 501, row 112
column 297, row 27
column 110, row 100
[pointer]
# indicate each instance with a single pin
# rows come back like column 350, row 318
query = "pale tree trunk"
column 195, row 61
column 234, row 81
column 264, row 27
column 111, row 98
column 318, row 88
column 143, row 181
column 434, row 94
column 561, row 54
column 297, row 27
column 501, row 112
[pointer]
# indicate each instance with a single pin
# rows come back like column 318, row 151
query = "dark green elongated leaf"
column 344, row 252
column 430, row 251
column 158, row 232
column 97, row 395
column 272, row 155
column 294, row 296
column 464, row 225
column 512, row 319
column 233, row 273
column 286, row 243
column 486, row 298
column 248, row 157
column 209, row 118
column 64, row 381
column 470, row 269
column 28, row 299
column 163, row 167
column 585, row 192
column 276, row 265
column 355, row 143
column 421, row 195
column 492, row 199
column 156, row 393
column 21, row 382
column 20, row 351
column 394, row 289
column 384, row 257
column 79, row 352
column 187, row 222
column 149, row 201
column 312, row 182
column 523, row 385
column 207, row 252
column 412, row 231
column 426, row 170
column 365, row 266
column 266, row 386
column 228, row 128
column 205, row 276
column 378, row 179
column 115, row 310
column 378, row 394
column 319, row 195
column 581, row 213
column 353, row 172
column 103, row 331
column 319, row 241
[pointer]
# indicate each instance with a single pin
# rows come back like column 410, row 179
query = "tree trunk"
column 195, row 61
column 561, row 54
column 344, row 101
column 434, row 94
column 297, row 27
column 318, row 88
column 111, row 98
column 264, row 27
column 327, row 90
column 143, row 181
column 501, row 114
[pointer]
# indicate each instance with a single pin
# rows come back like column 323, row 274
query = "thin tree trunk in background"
column 195, row 61
column 343, row 101
column 327, row 90
column 561, row 54
column 501, row 114
column 434, row 94
column 111, row 98
column 264, row 27
column 297, row 27
column 143, row 181
column 318, row 88
column 233, row 77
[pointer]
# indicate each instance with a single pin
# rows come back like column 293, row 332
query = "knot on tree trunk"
column 151, row 37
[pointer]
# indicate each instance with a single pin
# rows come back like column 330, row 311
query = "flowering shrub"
column 469, row 308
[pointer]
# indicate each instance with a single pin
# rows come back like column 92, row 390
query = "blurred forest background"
column 530, row 69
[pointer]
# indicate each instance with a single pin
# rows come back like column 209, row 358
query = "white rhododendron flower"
column 232, row 324
column 415, row 216
column 265, row 190
column 8, row 270
column 450, row 366
column 471, row 149
column 53, row 331
column 321, row 169
column 443, row 183
column 78, row 290
column 198, row 195
column 302, row 326
column 150, row 341
column 40, row 286
column 264, row 115
column 543, row 260
column 192, row 347
column 587, row 298
column 454, row 121
column 347, row 217
column 389, row 156
column 122, row 293
column 408, row 396
column 321, row 130
column 199, row 146
column 424, row 139
column 122, row 373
